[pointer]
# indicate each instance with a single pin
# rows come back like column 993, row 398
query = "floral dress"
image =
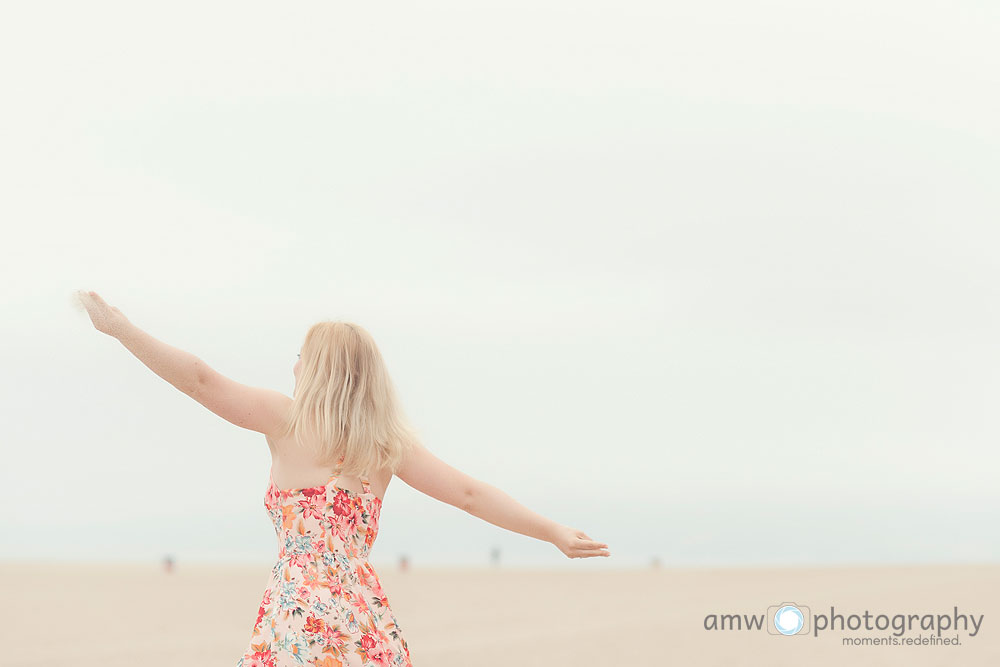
column 324, row 604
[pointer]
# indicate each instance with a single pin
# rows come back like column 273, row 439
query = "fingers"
column 590, row 553
column 583, row 546
column 588, row 548
column 88, row 297
column 589, row 544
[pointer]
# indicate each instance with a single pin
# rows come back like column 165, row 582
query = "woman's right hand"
column 577, row 544
column 106, row 318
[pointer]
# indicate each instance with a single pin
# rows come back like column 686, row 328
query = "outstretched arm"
column 253, row 408
column 497, row 507
column 430, row 475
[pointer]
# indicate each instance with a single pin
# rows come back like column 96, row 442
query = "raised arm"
column 430, row 475
column 254, row 408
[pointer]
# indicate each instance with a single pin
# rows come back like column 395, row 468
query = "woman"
column 324, row 603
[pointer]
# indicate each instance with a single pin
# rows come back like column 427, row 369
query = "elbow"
column 468, row 499
column 196, row 386
column 203, row 374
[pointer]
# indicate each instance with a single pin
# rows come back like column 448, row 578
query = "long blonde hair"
column 345, row 400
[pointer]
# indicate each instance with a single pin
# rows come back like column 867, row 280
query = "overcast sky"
column 715, row 282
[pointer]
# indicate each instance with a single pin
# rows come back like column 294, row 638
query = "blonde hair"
column 345, row 399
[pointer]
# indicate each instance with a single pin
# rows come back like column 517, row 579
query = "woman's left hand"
column 106, row 318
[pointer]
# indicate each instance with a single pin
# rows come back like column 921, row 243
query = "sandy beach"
column 112, row 615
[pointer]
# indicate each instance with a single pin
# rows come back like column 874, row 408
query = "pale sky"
column 714, row 282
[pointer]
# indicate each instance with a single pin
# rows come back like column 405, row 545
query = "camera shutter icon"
column 788, row 620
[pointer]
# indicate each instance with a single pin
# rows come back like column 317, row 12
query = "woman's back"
column 295, row 466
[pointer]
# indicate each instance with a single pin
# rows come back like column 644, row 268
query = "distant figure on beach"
column 335, row 445
column 495, row 556
column 404, row 563
column 168, row 564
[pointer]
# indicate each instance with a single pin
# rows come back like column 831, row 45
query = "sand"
column 201, row 615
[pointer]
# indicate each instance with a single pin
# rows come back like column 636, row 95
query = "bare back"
column 293, row 468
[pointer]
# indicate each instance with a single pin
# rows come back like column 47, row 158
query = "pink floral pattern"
column 324, row 604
